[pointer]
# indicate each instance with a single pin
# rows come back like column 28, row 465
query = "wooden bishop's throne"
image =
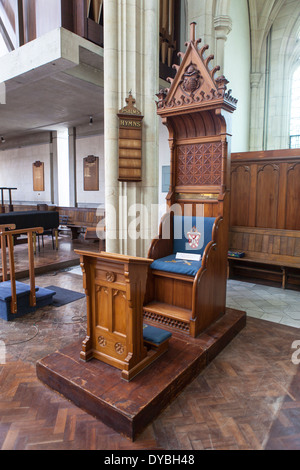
column 187, row 294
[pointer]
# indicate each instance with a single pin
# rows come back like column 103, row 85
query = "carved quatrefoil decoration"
column 110, row 277
column 119, row 347
column 102, row 341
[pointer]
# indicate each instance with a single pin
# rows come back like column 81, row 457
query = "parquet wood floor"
column 246, row 399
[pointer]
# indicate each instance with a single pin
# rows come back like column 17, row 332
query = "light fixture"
column 2, row 140
column 91, row 120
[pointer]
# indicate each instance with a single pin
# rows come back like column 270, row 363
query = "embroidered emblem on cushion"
column 194, row 238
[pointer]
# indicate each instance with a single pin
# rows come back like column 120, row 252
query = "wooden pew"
column 79, row 219
column 270, row 254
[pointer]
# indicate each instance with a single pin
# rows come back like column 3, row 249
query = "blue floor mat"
column 64, row 296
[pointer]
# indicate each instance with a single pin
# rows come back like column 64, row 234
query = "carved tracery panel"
column 199, row 164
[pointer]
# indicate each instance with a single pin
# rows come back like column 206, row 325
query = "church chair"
column 187, row 294
column 190, row 295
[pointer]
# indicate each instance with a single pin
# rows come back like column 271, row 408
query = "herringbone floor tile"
column 247, row 398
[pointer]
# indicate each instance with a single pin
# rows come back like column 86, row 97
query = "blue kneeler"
column 43, row 297
column 155, row 335
column 156, row 340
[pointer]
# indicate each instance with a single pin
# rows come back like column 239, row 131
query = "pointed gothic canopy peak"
column 195, row 84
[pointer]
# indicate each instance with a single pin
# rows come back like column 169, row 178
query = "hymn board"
column 130, row 142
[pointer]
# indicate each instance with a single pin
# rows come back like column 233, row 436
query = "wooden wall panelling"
column 274, row 255
column 282, row 196
column 260, row 240
column 240, row 195
column 274, row 192
column 253, row 198
column 196, row 209
column 267, row 195
column 292, row 220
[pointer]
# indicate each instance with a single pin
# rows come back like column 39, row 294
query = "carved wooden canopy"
column 195, row 85
column 197, row 111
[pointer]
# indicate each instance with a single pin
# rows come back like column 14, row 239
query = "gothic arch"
column 272, row 78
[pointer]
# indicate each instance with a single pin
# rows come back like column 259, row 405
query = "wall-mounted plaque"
column 91, row 173
column 130, row 142
column 38, row 176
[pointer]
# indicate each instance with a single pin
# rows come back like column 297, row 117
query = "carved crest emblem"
column 191, row 80
column 194, row 238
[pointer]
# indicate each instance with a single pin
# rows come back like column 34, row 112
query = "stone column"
column 72, row 167
column 256, row 125
column 130, row 64
column 54, row 169
column 223, row 26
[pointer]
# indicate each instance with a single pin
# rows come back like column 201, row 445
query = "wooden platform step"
column 128, row 407
column 168, row 315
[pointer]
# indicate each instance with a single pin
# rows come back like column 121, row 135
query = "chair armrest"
column 160, row 248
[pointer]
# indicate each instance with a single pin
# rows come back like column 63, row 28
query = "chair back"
column 192, row 234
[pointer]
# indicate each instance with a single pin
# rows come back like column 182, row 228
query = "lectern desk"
column 115, row 288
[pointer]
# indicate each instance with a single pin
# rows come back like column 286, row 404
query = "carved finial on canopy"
column 193, row 32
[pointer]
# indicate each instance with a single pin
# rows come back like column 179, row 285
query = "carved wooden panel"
column 240, row 195
column 115, row 287
column 293, row 197
column 110, row 325
column 267, row 195
column 199, row 164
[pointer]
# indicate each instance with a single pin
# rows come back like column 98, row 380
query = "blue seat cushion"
column 191, row 235
column 172, row 265
column 155, row 335
column 21, row 290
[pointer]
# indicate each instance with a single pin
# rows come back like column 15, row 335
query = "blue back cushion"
column 192, row 234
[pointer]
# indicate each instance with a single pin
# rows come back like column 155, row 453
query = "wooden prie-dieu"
column 115, row 288
column 197, row 112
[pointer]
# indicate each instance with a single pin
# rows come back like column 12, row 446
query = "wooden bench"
column 270, row 254
column 79, row 219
